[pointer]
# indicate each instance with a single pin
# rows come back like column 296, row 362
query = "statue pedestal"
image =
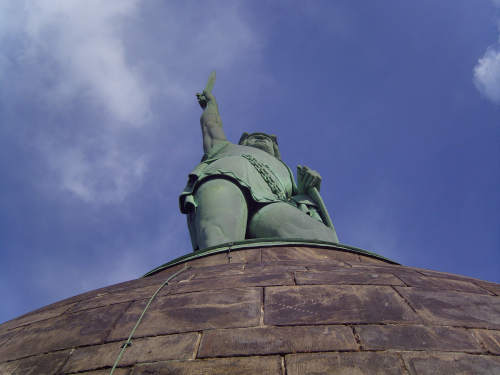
column 261, row 308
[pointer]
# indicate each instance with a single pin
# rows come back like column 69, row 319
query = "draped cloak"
column 266, row 178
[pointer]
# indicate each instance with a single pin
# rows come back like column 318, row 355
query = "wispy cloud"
column 74, row 52
column 129, row 263
column 487, row 74
column 487, row 70
column 100, row 60
column 106, row 178
column 84, row 41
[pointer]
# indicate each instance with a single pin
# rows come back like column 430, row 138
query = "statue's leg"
column 221, row 213
column 281, row 220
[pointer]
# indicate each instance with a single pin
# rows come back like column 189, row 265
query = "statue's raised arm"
column 211, row 123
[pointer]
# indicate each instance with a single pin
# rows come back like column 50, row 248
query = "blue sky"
column 395, row 103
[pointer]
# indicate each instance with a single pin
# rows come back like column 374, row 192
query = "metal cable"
column 129, row 340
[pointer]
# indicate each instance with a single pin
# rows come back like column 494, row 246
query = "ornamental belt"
column 267, row 175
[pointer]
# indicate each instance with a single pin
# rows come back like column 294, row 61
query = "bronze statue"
column 244, row 190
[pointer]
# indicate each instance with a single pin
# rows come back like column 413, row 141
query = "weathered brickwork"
column 272, row 310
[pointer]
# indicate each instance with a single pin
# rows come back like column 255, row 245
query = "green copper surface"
column 242, row 191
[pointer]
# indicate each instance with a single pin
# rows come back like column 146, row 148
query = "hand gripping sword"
column 316, row 197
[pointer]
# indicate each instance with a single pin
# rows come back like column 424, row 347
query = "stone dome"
column 270, row 308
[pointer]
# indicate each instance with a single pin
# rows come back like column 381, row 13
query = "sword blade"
column 211, row 82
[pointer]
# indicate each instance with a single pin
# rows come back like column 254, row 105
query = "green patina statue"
column 244, row 190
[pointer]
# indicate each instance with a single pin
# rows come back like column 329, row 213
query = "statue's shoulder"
column 218, row 148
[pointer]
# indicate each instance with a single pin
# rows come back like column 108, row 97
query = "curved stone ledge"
column 267, row 310
column 267, row 243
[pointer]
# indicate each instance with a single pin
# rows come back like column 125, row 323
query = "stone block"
column 273, row 340
column 492, row 287
column 371, row 260
column 395, row 270
column 244, row 256
column 274, row 268
column 385, row 267
column 105, row 299
column 416, row 337
column 327, row 304
column 490, row 339
column 191, row 312
column 151, row 349
column 347, row 276
column 244, row 269
column 82, row 328
column 219, row 270
column 237, row 281
column 269, row 365
column 210, row 260
column 326, row 268
column 118, row 371
column 308, row 255
column 7, row 335
column 46, row 364
column 428, row 363
column 454, row 308
column 440, row 283
column 136, row 283
column 163, row 275
column 37, row 316
column 65, row 302
column 445, row 275
column 344, row 363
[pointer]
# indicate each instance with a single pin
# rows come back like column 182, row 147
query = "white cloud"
column 75, row 49
column 487, row 70
column 85, row 41
column 487, row 75
column 105, row 59
column 108, row 178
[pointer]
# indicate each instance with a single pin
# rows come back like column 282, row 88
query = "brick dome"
column 268, row 309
